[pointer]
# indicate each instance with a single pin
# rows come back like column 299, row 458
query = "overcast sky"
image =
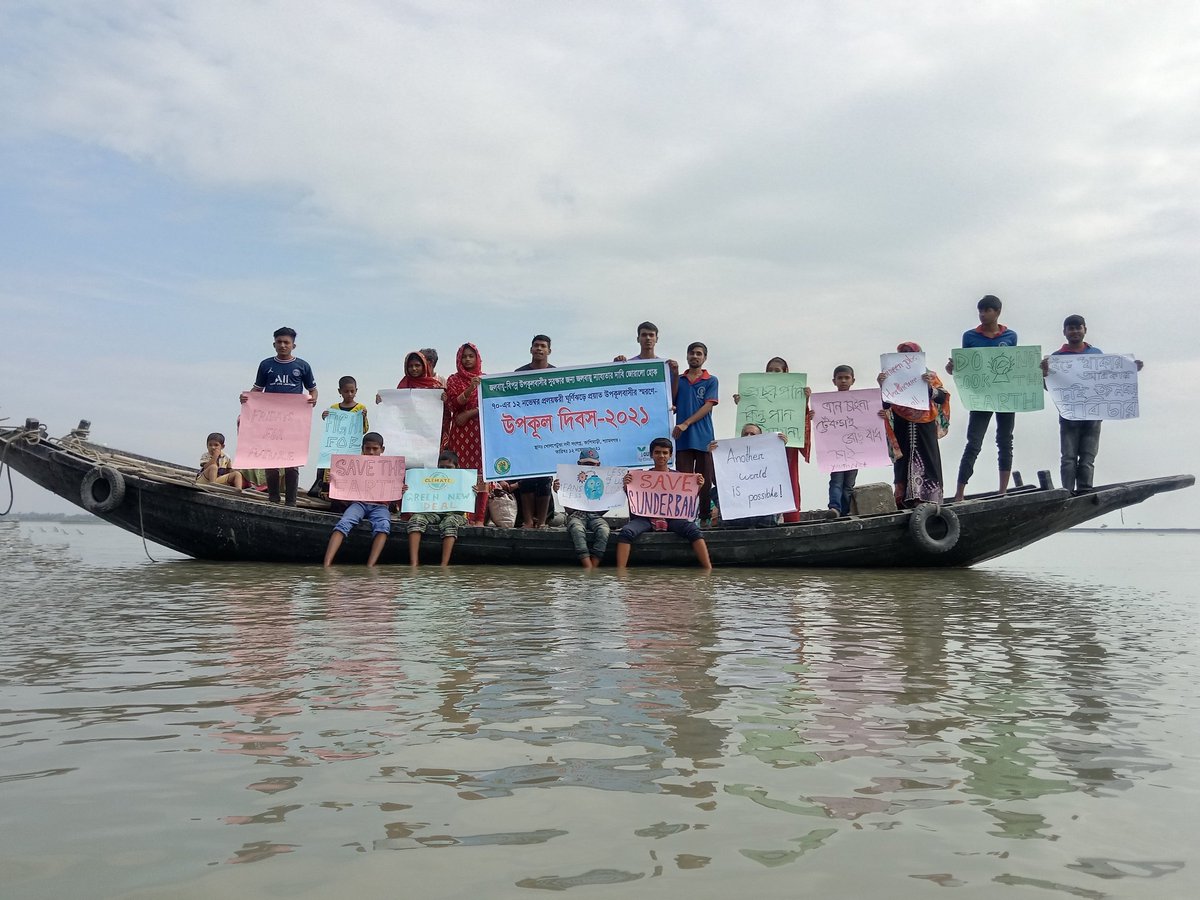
column 813, row 180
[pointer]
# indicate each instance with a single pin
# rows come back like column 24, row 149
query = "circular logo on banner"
column 593, row 488
column 438, row 482
column 502, row 466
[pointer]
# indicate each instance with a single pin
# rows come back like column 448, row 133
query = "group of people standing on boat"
column 913, row 437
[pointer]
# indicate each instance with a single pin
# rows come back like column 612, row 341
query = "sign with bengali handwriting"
column 848, row 432
column 533, row 421
column 1093, row 386
column 273, row 431
column 774, row 401
column 999, row 379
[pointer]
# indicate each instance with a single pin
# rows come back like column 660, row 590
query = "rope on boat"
column 30, row 435
column 142, row 525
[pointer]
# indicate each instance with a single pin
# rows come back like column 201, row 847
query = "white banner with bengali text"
column 1093, row 386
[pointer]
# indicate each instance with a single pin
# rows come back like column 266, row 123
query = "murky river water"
column 183, row 729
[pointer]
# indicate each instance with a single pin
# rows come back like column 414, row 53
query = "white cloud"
column 816, row 180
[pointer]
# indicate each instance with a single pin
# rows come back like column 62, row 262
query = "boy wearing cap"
column 581, row 522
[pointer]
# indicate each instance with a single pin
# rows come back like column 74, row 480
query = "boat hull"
column 162, row 503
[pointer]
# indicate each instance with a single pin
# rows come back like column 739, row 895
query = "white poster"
column 904, row 381
column 752, row 477
column 410, row 421
column 1093, row 386
column 591, row 488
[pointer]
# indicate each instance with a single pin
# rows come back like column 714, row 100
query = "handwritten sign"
column 774, row 401
column 533, row 421
column 440, row 490
column 999, row 379
column 371, row 479
column 591, row 488
column 273, row 431
column 1093, row 386
column 847, row 430
column 343, row 434
column 904, row 381
column 753, row 476
column 664, row 495
column 410, row 421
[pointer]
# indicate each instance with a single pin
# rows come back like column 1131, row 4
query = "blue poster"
column 536, row 420
column 343, row 434
column 439, row 490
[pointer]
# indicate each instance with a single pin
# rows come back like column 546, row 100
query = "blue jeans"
column 579, row 524
column 1078, row 442
column 381, row 519
column 841, row 487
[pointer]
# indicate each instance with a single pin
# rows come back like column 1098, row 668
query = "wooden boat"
column 162, row 502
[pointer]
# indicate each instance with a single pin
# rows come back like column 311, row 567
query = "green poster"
column 999, row 379
column 774, row 401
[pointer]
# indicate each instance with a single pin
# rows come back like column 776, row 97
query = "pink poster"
column 273, row 431
column 372, row 479
column 663, row 495
column 847, row 430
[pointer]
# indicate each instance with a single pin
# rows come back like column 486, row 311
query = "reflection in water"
column 592, row 730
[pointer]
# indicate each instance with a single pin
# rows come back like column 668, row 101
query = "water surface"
column 185, row 729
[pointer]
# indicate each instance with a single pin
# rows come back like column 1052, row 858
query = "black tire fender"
column 102, row 489
column 934, row 529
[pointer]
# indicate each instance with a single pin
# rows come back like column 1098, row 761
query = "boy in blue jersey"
column 1078, row 442
column 990, row 333
column 284, row 374
column 695, row 397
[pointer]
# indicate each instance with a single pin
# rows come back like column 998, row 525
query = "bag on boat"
column 502, row 507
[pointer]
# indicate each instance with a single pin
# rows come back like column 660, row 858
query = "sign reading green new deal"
column 534, row 421
column 999, row 379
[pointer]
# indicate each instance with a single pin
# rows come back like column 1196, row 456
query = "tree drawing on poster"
column 774, row 401
column 999, row 379
column 1093, row 386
